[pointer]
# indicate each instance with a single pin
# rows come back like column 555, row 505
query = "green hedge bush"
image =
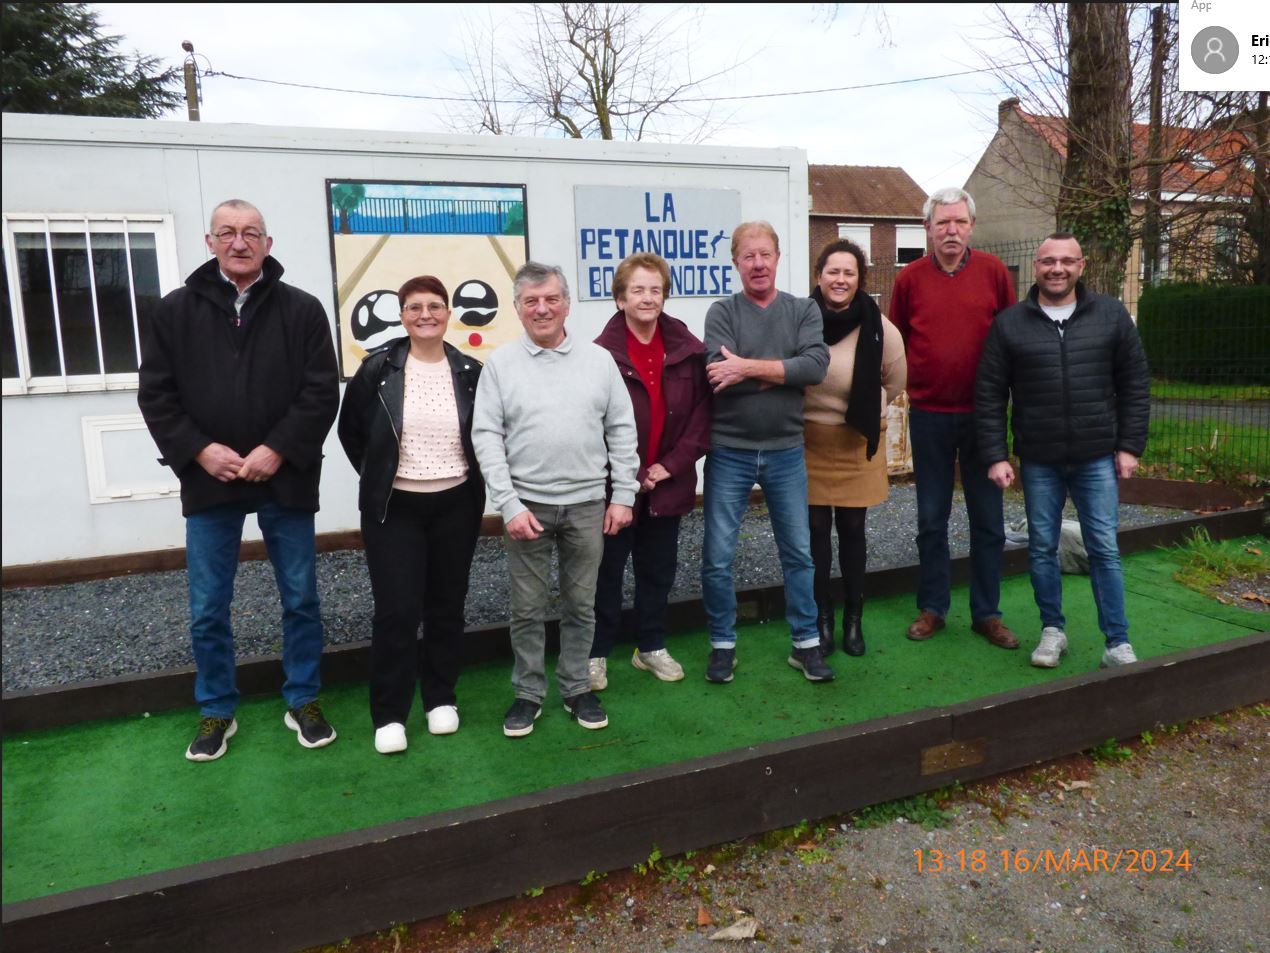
column 1207, row 334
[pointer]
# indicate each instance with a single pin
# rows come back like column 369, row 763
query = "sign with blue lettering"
column 690, row 228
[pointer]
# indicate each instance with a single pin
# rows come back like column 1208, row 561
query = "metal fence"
column 415, row 216
column 1210, row 414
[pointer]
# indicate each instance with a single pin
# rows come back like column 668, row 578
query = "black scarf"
column 864, row 403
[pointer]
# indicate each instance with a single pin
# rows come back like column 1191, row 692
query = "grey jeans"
column 577, row 532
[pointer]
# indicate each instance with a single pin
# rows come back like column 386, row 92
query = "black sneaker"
column 310, row 727
column 719, row 668
column 811, row 663
column 586, row 708
column 212, row 739
column 520, row 718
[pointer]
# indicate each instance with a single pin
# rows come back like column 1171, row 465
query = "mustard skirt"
column 838, row 474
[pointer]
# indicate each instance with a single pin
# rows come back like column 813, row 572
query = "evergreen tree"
column 55, row 60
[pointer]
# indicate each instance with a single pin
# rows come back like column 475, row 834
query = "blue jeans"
column 1093, row 488
column 938, row 441
column 212, row 540
column 730, row 476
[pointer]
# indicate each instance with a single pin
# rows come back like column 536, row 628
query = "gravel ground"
column 58, row 635
column 839, row 887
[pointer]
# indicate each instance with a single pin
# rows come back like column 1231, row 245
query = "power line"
column 687, row 99
column 846, row 89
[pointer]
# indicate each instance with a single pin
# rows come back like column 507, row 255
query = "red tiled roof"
column 864, row 191
column 1208, row 170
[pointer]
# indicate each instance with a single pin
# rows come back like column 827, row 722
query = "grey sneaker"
column 811, row 663
column 598, row 670
column 520, row 718
column 1122, row 654
column 719, row 668
column 1052, row 647
column 586, row 708
column 212, row 739
column 660, row 663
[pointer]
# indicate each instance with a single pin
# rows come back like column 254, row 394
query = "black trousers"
column 851, row 550
column 653, row 542
column 419, row 558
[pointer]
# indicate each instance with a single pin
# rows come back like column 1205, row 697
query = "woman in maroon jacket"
column 663, row 365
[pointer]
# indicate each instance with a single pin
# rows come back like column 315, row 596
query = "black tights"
column 851, row 550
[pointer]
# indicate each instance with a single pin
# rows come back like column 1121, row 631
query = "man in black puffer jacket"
column 1073, row 365
column 239, row 386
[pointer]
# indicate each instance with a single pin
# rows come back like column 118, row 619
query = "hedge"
column 1207, row 334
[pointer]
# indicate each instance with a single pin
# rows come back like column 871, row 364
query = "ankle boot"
column 824, row 625
column 852, row 634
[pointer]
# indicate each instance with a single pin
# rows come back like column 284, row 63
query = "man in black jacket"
column 239, row 386
column 1073, row 364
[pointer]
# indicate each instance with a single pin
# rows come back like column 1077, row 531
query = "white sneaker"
column 1052, row 648
column 443, row 720
column 598, row 669
column 391, row 738
column 659, row 663
column 1122, row 654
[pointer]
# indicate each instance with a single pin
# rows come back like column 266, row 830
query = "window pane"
column 10, row 361
column 145, row 276
column 37, row 303
column 910, row 243
column 75, row 304
column 114, row 301
column 862, row 235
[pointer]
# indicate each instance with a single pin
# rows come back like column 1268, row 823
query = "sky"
column 934, row 129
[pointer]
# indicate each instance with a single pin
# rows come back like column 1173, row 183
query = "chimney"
column 1007, row 106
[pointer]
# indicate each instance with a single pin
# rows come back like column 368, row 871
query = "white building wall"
column 89, row 165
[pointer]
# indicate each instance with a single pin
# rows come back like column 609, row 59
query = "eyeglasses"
column 251, row 236
column 434, row 308
column 1065, row 262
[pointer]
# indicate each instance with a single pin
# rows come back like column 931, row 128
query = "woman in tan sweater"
column 844, row 437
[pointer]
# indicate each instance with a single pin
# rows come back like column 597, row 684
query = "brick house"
column 877, row 207
column 1016, row 184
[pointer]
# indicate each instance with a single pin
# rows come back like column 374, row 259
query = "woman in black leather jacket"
column 406, row 425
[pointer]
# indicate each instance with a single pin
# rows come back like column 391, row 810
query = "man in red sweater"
column 943, row 305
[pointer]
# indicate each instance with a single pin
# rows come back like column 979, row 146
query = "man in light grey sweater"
column 552, row 424
column 763, row 347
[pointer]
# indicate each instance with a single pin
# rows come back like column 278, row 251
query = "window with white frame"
column 1162, row 266
column 76, row 289
column 910, row 243
column 861, row 234
column 1226, row 249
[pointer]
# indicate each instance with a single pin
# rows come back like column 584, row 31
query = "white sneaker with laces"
column 598, row 669
column 443, row 720
column 1122, row 654
column 1052, row 647
column 660, row 663
column 391, row 738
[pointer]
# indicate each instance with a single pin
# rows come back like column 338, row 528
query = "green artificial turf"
column 102, row 801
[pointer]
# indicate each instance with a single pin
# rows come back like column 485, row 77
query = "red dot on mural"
column 474, row 339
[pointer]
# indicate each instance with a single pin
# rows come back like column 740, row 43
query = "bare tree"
column 1093, row 201
column 589, row 71
column 1198, row 161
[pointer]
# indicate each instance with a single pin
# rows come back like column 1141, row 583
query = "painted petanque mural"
column 470, row 236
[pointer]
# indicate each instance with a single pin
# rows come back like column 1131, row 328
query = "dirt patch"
column 1153, row 844
column 1253, row 594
